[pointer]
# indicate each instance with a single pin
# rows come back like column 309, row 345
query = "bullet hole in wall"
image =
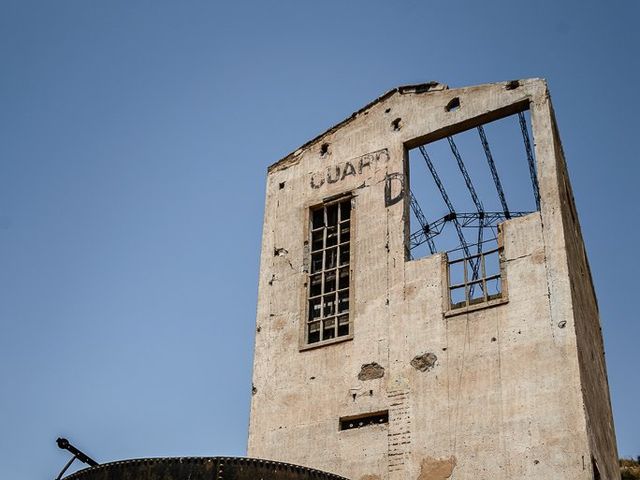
column 453, row 105
column 324, row 149
column 512, row 85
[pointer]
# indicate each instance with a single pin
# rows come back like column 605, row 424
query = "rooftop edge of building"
column 417, row 88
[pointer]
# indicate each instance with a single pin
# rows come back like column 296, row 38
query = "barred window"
column 476, row 279
column 328, row 291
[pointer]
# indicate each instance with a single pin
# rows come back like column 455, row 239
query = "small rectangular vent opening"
column 359, row 421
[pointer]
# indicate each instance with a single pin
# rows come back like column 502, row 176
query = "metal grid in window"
column 328, row 292
column 467, row 288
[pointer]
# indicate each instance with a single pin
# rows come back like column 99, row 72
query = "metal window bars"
column 488, row 278
column 328, row 290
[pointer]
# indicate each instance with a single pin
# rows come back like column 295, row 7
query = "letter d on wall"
column 393, row 188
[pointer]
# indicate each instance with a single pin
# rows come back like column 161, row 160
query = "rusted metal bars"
column 445, row 197
column 530, row 159
column 494, row 172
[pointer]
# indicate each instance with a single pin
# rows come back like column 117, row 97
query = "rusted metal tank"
column 200, row 468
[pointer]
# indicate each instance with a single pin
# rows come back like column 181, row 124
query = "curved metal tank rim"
column 78, row 475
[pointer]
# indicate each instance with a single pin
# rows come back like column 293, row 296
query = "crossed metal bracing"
column 473, row 220
column 480, row 220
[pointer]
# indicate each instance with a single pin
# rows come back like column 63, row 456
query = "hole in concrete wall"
column 281, row 185
column 453, row 105
column 365, row 420
column 512, row 85
column 396, row 124
column 387, row 110
column 324, row 149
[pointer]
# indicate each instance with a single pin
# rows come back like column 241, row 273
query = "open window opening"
column 328, row 283
column 461, row 188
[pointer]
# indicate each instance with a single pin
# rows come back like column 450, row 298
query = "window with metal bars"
column 328, row 283
column 475, row 279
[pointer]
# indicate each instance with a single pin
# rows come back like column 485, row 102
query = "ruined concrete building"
column 411, row 329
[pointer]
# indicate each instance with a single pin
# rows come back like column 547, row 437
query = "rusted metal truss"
column 474, row 220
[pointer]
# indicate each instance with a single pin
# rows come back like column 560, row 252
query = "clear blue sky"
column 134, row 141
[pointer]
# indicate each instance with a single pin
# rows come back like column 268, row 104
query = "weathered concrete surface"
column 518, row 390
column 424, row 362
column 371, row 371
column 437, row 469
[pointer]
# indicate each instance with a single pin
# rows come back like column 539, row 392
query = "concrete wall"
column 518, row 390
column 586, row 323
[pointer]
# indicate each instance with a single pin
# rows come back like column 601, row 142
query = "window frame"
column 450, row 310
column 307, row 252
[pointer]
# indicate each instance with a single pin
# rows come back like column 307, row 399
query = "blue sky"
column 135, row 139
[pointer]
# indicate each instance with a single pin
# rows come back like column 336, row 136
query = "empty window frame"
column 476, row 279
column 328, row 283
column 470, row 181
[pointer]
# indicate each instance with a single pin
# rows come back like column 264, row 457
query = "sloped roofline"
column 411, row 88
